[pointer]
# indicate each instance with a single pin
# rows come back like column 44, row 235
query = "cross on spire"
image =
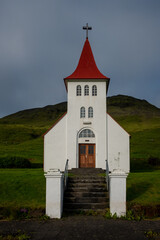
column 87, row 28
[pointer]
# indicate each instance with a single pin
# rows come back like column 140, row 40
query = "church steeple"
column 87, row 68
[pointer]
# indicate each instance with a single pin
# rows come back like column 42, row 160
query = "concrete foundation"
column 54, row 193
column 117, row 192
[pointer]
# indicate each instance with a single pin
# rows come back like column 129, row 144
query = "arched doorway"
column 87, row 149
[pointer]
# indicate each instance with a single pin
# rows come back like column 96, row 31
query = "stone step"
column 86, row 189
column 86, row 170
column 82, row 206
column 86, row 194
column 88, row 185
column 86, row 180
column 85, row 199
column 87, row 174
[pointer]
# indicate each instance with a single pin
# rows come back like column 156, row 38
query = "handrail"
column 66, row 174
column 107, row 174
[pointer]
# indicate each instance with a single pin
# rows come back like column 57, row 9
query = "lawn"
column 145, row 143
column 26, row 188
column 143, row 188
column 22, row 188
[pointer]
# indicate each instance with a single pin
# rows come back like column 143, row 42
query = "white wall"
column 118, row 146
column 97, row 124
column 112, row 141
column 55, row 146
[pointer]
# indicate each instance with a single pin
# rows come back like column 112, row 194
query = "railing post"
column 107, row 174
column 66, row 174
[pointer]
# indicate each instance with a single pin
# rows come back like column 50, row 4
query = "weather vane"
column 87, row 28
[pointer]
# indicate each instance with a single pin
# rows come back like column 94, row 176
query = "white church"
column 87, row 136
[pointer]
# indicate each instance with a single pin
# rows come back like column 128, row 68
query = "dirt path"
column 81, row 227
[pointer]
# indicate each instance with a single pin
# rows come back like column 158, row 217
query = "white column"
column 117, row 192
column 54, row 193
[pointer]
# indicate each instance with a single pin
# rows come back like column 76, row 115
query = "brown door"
column 87, row 155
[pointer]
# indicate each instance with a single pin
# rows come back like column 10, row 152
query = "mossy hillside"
column 122, row 105
column 21, row 133
column 37, row 117
column 142, row 121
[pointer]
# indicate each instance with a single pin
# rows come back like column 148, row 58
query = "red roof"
column 87, row 68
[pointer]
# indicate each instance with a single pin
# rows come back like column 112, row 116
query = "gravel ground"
column 81, row 227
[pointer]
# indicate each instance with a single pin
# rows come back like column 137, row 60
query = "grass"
column 22, row 141
column 25, row 188
column 22, row 188
column 16, row 236
column 32, row 150
column 145, row 143
column 143, row 188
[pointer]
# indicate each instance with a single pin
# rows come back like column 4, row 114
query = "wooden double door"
column 87, row 155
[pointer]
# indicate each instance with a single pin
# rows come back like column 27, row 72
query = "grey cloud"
column 41, row 42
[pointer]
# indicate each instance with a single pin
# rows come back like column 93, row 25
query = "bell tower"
column 86, row 113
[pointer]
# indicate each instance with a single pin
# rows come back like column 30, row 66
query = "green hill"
column 21, row 132
column 40, row 117
column 133, row 114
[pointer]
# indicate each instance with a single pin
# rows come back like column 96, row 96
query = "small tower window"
column 82, row 112
column 94, row 90
column 78, row 90
column 90, row 112
column 86, row 90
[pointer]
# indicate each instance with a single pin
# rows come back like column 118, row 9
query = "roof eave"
column 107, row 81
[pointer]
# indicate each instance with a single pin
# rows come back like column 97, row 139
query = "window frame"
column 82, row 112
column 86, row 90
column 94, row 90
column 78, row 90
column 90, row 112
column 86, row 133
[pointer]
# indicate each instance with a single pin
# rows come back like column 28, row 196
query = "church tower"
column 86, row 113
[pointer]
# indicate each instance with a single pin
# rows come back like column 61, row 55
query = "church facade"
column 86, row 134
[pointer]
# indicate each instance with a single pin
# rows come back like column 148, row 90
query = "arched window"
column 90, row 112
column 94, row 90
column 86, row 90
column 78, row 90
column 86, row 133
column 82, row 112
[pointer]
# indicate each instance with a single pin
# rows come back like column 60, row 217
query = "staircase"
column 86, row 190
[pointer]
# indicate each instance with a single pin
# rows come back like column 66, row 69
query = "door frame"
column 87, row 144
column 85, row 141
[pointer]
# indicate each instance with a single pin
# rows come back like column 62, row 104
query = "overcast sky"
column 41, row 42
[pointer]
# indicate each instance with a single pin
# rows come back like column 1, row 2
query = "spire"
column 86, row 68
